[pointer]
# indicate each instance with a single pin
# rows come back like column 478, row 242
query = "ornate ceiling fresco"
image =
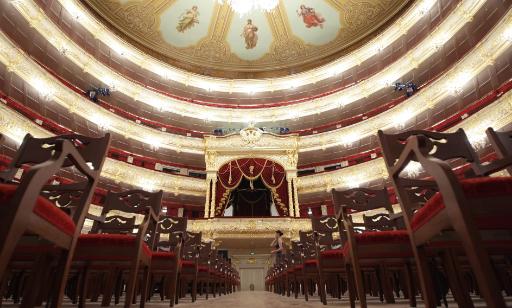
column 199, row 34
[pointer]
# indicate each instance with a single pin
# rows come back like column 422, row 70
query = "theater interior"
column 256, row 153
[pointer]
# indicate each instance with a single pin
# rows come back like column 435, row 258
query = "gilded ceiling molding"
column 15, row 126
column 494, row 44
column 344, row 28
column 52, row 90
column 444, row 32
column 402, row 25
column 496, row 115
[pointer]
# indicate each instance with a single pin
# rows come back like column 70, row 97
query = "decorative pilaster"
column 290, row 197
column 212, row 203
column 296, row 199
column 207, row 201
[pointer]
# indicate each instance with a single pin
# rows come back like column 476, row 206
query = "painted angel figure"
column 310, row 17
column 188, row 19
column 250, row 35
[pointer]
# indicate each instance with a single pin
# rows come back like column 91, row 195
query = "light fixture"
column 243, row 7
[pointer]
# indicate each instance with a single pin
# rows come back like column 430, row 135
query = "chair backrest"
column 86, row 154
column 443, row 146
column 501, row 142
column 502, row 145
column 170, row 231
column 361, row 199
column 325, row 224
column 205, row 251
column 413, row 193
column 34, row 151
column 191, row 244
column 121, row 212
column 296, row 252
column 382, row 222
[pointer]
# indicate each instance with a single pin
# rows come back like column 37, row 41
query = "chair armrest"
column 493, row 167
column 95, row 218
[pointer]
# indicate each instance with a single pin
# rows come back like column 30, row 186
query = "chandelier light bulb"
column 243, row 7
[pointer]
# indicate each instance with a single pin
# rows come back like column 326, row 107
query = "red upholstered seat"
column 473, row 188
column 310, row 262
column 110, row 240
column 162, row 255
column 332, row 253
column 202, row 268
column 43, row 208
column 187, row 263
column 381, row 237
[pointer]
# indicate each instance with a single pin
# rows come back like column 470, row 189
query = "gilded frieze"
column 312, row 32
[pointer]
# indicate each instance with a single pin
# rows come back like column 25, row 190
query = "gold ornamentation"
column 390, row 35
column 251, row 135
column 421, row 52
column 249, row 227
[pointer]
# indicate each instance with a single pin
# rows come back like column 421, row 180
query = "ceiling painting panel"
column 206, row 37
column 250, row 36
column 186, row 22
column 315, row 22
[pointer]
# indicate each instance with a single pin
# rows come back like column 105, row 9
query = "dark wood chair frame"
column 434, row 151
column 356, row 200
column 47, row 156
column 331, row 269
column 166, row 270
column 135, row 202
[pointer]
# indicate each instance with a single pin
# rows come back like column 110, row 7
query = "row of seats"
column 132, row 249
column 452, row 236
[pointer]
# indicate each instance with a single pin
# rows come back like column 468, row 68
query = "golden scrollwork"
column 249, row 227
column 138, row 22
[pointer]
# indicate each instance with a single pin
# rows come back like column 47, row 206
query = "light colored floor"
column 261, row 299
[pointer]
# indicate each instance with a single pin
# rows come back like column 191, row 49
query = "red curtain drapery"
column 271, row 173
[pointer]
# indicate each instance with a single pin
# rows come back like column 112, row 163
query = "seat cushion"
column 483, row 187
column 332, row 253
column 382, row 237
column 162, row 255
column 311, row 262
column 108, row 240
column 203, row 268
column 43, row 208
column 187, row 263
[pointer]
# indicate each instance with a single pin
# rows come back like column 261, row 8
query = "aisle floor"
column 261, row 299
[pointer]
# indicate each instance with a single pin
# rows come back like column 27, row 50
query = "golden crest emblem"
column 251, row 135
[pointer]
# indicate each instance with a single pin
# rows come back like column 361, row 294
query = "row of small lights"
column 475, row 129
column 341, row 99
column 48, row 90
column 403, row 25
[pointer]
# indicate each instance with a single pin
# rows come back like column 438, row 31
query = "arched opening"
column 250, row 199
column 251, row 187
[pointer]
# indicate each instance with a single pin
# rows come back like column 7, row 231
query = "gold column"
column 296, row 201
column 207, row 201
column 212, row 204
column 290, row 198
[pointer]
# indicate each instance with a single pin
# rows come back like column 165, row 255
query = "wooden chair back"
column 35, row 151
column 121, row 210
column 85, row 154
column 443, row 146
column 501, row 142
column 170, row 232
column 191, row 245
